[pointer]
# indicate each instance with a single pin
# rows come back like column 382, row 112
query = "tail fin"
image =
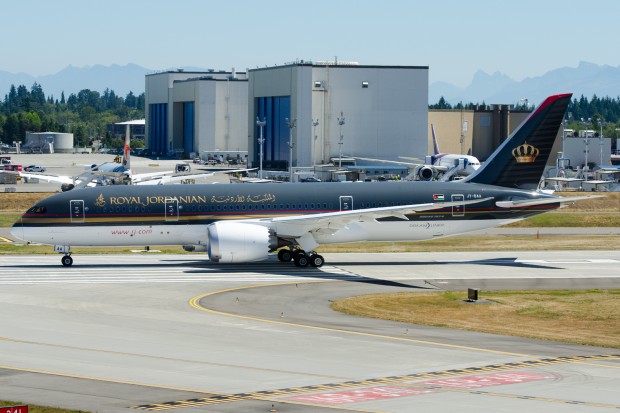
column 435, row 146
column 520, row 160
column 126, row 151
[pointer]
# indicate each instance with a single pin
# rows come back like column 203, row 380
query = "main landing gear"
column 301, row 258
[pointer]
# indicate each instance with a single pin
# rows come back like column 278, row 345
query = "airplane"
column 447, row 165
column 440, row 166
column 246, row 223
column 120, row 173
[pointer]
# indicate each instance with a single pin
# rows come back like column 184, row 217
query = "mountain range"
column 586, row 79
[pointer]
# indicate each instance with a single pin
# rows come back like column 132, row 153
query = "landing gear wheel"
column 285, row 255
column 301, row 260
column 317, row 260
column 66, row 261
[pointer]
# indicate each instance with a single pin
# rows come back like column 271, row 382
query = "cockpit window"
column 37, row 209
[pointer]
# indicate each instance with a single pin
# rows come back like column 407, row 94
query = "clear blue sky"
column 455, row 38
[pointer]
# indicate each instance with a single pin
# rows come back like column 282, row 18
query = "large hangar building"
column 193, row 112
column 329, row 109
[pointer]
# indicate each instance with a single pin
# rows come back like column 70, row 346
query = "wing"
column 48, row 178
column 410, row 164
column 297, row 226
column 160, row 178
column 544, row 201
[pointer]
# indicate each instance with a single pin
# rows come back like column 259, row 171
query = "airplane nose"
column 17, row 230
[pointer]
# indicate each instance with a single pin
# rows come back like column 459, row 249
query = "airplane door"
column 77, row 210
column 172, row 209
column 458, row 210
column 346, row 203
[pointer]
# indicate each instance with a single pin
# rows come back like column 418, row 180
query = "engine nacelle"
column 238, row 242
column 426, row 173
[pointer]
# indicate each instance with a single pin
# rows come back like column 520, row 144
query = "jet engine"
column 426, row 173
column 238, row 242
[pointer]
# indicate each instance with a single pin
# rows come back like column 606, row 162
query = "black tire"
column 66, row 261
column 317, row 260
column 301, row 260
column 285, row 255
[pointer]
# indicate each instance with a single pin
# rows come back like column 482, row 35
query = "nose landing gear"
column 66, row 260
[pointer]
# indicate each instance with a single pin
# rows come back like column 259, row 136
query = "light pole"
column 261, row 141
column 586, row 140
column 290, row 125
column 315, row 123
column 563, row 135
column 600, row 141
column 341, row 141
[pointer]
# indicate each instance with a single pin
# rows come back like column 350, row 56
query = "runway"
column 120, row 333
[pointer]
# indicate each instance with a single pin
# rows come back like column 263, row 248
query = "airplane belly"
column 115, row 235
column 406, row 230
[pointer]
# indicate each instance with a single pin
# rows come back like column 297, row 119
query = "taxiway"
column 120, row 333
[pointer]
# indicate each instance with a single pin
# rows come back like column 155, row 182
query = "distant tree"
column 37, row 96
column 11, row 129
column 29, row 122
column 131, row 100
column 140, row 103
column 2, row 123
column 441, row 104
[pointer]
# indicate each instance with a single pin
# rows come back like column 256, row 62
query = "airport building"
column 476, row 132
column 192, row 112
column 326, row 109
column 136, row 129
column 48, row 142
column 333, row 109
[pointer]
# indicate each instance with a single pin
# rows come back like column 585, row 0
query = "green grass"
column 8, row 219
column 562, row 219
column 590, row 317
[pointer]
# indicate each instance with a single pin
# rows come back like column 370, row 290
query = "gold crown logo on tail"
column 525, row 153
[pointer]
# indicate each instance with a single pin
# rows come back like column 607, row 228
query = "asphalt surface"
column 120, row 333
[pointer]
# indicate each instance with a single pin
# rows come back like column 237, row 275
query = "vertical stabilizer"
column 520, row 160
column 435, row 145
column 126, row 150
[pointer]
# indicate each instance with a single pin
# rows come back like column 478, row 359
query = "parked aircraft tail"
column 520, row 160
column 435, row 145
column 126, row 162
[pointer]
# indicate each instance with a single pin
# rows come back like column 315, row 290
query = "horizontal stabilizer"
column 544, row 201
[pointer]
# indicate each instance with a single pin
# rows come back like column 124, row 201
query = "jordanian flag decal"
column 438, row 197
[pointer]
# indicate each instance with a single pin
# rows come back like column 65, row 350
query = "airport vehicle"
column 34, row 168
column 12, row 167
column 243, row 223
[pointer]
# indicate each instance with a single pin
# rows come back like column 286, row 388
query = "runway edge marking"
column 272, row 395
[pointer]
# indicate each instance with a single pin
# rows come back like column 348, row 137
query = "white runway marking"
column 566, row 261
column 32, row 272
